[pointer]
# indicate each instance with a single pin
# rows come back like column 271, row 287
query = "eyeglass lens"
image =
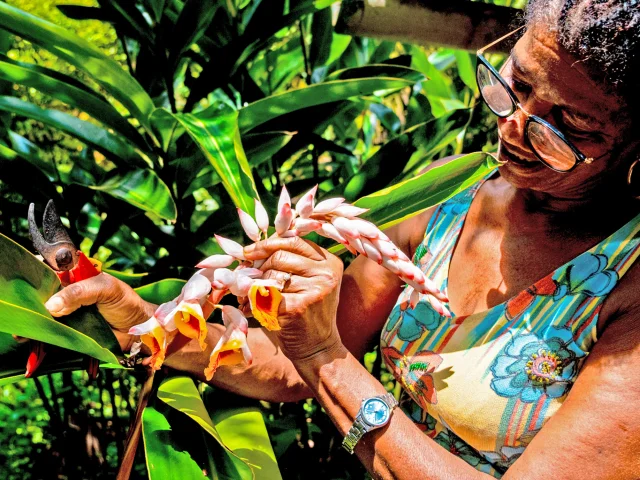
column 550, row 148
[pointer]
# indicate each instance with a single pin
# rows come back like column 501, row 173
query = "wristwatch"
column 374, row 412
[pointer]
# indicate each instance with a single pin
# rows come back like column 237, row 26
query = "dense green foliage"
column 148, row 122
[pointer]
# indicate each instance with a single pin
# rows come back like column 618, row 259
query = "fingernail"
column 54, row 304
column 249, row 248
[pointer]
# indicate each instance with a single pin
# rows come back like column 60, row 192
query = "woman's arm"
column 368, row 295
column 595, row 434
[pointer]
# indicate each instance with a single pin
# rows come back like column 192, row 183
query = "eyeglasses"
column 550, row 146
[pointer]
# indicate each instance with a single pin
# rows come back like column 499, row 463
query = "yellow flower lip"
column 190, row 322
column 265, row 301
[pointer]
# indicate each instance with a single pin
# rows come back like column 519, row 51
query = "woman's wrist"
column 309, row 366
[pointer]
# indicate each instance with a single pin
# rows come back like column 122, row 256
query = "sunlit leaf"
column 82, row 55
column 143, row 189
column 115, row 149
column 162, row 291
column 25, row 285
column 398, row 202
column 68, row 91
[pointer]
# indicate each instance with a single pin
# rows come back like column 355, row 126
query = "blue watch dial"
column 375, row 412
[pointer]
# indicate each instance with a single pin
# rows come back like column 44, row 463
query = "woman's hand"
column 307, row 312
column 116, row 301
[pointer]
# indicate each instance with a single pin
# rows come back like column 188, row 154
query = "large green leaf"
column 216, row 133
column 168, row 454
column 162, row 291
column 181, row 393
column 195, row 17
column 143, row 189
column 398, row 202
column 83, row 55
column 67, row 91
column 262, row 111
column 115, row 149
column 25, row 285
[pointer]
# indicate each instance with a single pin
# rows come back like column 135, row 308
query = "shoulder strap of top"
column 443, row 230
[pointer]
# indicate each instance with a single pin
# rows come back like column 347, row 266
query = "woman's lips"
column 516, row 159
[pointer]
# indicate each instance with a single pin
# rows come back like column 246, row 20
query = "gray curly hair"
column 603, row 34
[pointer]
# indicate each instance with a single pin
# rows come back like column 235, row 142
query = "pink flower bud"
column 414, row 298
column 225, row 277
column 366, row 229
column 230, row 247
column 290, row 234
column 216, row 261
column 196, row 289
column 391, row 265
column 249, row 225
column 345, row 228
column 328, row 205
column 233, row 316
column 438, row 306
column 242, row 285
column 306, row 225
column 371, row 251
column 357, row 244
column 348, row 211
column 304, row 207
column 387, row 249
column 262, row 217
column 329, row 231
column 146, row 327
column 248, row 272
column 284, row 198
column 283, row 219
column 407, row 271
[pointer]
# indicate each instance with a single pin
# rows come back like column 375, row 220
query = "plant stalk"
column 133, row 438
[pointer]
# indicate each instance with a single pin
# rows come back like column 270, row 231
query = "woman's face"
column 552, row 84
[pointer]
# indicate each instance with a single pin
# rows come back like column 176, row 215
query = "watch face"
column 375, row 412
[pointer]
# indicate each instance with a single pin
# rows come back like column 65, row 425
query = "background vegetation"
column 144, row 193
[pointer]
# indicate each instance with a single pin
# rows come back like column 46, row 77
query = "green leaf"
column 143, row 189
column 260, row 147
column 132, row 279
column 379, row 70
column 25, row 285
column 216, row 133
column 167, row 453
column 116, row 150
column 181, row 393
column 195, row 17
column 162, row 291
column 262, row 111
column 243, row 431
column 66, row 90
column 467, row 69
column 83, row 55
column 399, row 202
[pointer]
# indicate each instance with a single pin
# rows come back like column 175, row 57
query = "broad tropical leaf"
column 262, row 111
column 142, row 188
column 83, row 55
column 216, row 133
column 181, row 393
column 116, row 150
column 25, row 285
column 162, row 291
column 67, row 90
column 394, row 204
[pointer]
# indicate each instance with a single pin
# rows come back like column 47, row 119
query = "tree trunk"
column 452, row 23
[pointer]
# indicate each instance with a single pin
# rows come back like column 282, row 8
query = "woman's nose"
column 511, row 129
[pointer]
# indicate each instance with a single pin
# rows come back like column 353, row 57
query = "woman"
column 538, row 371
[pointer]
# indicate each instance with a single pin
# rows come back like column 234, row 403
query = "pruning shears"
column 69, row 263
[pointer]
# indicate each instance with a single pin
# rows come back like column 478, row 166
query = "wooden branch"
column 452, row 23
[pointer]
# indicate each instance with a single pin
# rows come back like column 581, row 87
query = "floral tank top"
column 483, row 385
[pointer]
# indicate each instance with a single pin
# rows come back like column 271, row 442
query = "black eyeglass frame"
column 515, row 105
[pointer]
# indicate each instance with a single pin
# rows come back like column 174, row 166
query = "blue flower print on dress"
column 588, row 275
column 413, row 321
column 530, row 366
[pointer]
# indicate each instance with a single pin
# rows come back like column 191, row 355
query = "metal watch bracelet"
column 359, row 427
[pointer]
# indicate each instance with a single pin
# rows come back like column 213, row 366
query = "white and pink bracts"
column 332, row 218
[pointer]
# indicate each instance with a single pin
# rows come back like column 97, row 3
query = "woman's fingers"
column 288, row 262
column 296, row 245
column 86, row 292
column 290, row 283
